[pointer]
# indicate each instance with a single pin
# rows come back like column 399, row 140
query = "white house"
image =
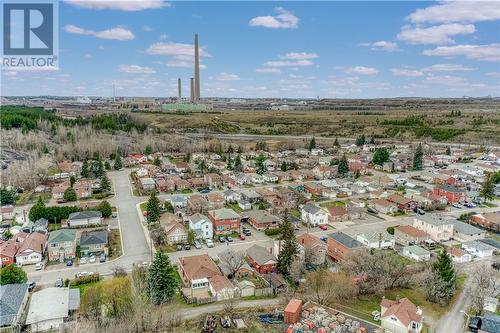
column 256, row 178
column 478, row 249
column 270, row 177
column 85, row 218
column 401, row 316
column 141, row 172
column 222, row 288
column 459, row 255
column 416, row 253
column 32, row 249
column 178, row 201
column 232, row 195
column 201, row 225
column 377, row 240
column 314, row 215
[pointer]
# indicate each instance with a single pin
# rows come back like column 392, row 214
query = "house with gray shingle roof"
column 94, row 242
column 478, row 249
column 261, row 259
column 464, row 232
column 13, row 298
column 314, row 214
column 85, row 218
column 340, row 244
column 62, row 244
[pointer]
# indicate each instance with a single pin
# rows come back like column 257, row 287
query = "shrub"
column 272, row 232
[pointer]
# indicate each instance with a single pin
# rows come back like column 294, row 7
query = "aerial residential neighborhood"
column 254, row 167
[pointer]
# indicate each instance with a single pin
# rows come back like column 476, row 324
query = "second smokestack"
column 196, row 69
column 179, row 88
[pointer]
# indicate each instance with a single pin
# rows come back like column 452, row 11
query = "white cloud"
column 283, row 20
column 458, row 11
column 288, row 63
column 147, row 28
column 117, row 33
column 88, row 56
column 447, row 68
column 488, row 52
column 135, row 69
column 447, row 80
column 299, row 56
column 382, row 45
column 183, row 64
column 180, row 50
column 163, row 36
column 125, row 5
column 439, row 34
column 268, row 70
column 361, row 70
column 494, row 74
column 406, row 72
column 223, row 76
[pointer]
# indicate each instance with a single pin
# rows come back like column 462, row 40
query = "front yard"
column 115, row 244
column 330, row 204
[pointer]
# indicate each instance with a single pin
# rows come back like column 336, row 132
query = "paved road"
column 134, row 245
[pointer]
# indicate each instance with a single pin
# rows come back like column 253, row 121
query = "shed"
column 292, row 311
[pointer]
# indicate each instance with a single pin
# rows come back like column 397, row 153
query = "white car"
column 457, row 205
column 210, row 243
column 83, row 261
column 38, row 266
column 82, row 274
column 92, row 259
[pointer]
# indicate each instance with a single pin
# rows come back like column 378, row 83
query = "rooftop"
column 345, row 240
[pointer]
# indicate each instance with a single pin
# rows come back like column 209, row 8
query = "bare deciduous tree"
column 485, row 283
column 326, row 288
column 232, row 261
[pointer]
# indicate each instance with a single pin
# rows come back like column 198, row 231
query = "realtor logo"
column 30, row 38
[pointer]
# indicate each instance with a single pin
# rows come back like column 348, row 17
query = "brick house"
column 224, row 221
column 315, row 249
column 195, row 271
column 408, row 235
column 489, row 221
column 338, row 214
column 340, row 244
column 8, row 250
column 261, row 220
column 452, row 193
column 403, row 203
column 261, row 259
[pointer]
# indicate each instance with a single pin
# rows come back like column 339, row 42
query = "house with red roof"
column 402, row 202
column 196, row 271
column 459, row 255
column 452, row 193
column 400, row 316
column 409, row 235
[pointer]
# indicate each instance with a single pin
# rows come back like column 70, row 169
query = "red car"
column 323, row 227
column 242, row 237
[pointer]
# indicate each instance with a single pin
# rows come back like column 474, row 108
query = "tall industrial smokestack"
column 196, row 69
column 192, row 90
column 179, row 88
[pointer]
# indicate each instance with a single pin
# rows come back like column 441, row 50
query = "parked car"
column 242, row 237
column 59, row 283
column 82, row 274
column 102, row 257
column 69, row 263
column 187, row 247
column 323, row 227
column 419, row 211
column 38, row 266
column 179, row 247
column 229, row 239
column 222, row 239
column 496, row 265
column 210, row 243
column 457, row 205
column 205, row 190
column 197, row 244
column 83, row 261
column 31, row 286
column 247, row 232
column 324, row 238
column 372, row 210
column 92, row 259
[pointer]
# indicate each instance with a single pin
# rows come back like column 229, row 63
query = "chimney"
column 179, row 88
column 196, row 69
column 192, row 90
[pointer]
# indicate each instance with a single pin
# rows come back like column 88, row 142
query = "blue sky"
column 273, row 49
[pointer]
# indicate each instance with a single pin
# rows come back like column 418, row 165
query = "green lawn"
column 295, row 212
column 54, row 226
column 143, row 206
column 115, row 244
column 330, row 204
column 84, row 287
column 235, row 207
column 53, row 170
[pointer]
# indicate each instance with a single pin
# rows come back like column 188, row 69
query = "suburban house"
column 464, row 232
column 7, row 212
column 147, row 184
column 261, row 220
column 50, row 307
column 94, row 242
column 408, row 235
column 197, row 270
column 32, row 249
column 400, row 316
column 13, row 299
column 452, row 193
column 83, row 188
column 478, row 249
column 41, row 225
column 403, row 203
column 201, row 225
column 438, row 228
column 8, row 250
column 340, row 244
column 459, row 255
column 62, row 244
column 377, row 240
column 58, row 190
column 261, row 259
column 222, row 288
column 85, row 218
column 489, row 221
column 314, row 215
column 416, row 253
column 176, row 233
column 338, row 214
column 224, row 221
column 384, row 206
column 315, row 249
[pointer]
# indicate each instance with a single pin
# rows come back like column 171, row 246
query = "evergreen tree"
column 107, row 166
column 372, row 140
column 336, row 143
column 70, row 194
column 442, row 284
column 418, row 163
column 7, row 197
column 259, row 164
column 230, row 149
column 105, row 208
column 118, row 162
column 380, row 156
column 284, row 166
column 237, row 163
column 148, row 150
column 343, row 168
column 105, row 183
column 488, row 187
column 156, row 161
column 72, row 181
column 290, row 248
column 85, row 172
column 360, row 141
column 153, row 208
column 312, row 143
column 168, row 206
column 161, row 280
column 239, row 150
column 11, row 274
column 37, row 211
column 448, row 150
column 229, row 162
